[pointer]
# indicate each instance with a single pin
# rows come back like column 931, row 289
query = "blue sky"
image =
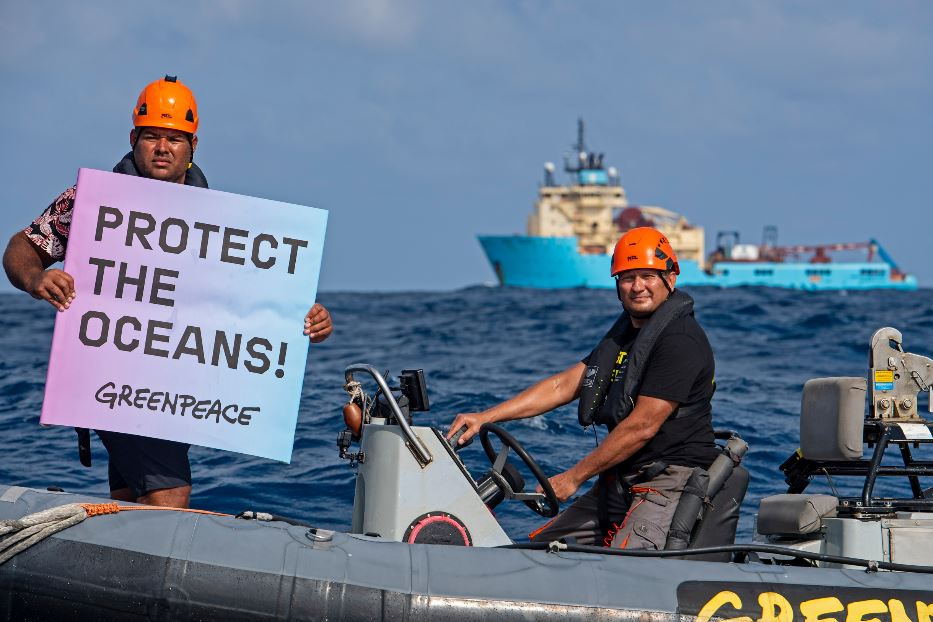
column 421, row 124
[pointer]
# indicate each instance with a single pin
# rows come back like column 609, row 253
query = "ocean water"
column 479, row 346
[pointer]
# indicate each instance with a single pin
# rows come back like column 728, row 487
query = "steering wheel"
column 545, row 504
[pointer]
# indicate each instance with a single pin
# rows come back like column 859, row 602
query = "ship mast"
column 581, row 147
column 582, row 159
column 584, row 208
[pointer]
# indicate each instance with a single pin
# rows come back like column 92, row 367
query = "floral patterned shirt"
column 50, row 230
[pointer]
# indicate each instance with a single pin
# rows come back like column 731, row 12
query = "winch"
column 897, row 377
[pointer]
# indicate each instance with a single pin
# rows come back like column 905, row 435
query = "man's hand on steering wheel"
column 564, row 485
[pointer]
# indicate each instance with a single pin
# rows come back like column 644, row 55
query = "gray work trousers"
column 643, row 524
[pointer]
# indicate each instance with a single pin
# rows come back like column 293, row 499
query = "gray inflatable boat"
column 423, row 544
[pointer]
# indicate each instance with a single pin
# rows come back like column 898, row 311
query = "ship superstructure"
column 594, row 209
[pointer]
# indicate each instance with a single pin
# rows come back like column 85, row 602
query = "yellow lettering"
column 813, row 609
column 924, row 611
column 775, row 608
column 898, row 612
column 859, row 609
column 722, row 598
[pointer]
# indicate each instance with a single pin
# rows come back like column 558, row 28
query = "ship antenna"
column 581, row 145
column 579, row 159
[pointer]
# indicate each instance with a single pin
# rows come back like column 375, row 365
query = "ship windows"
column 764, row 272
column 819, row 272
column 873, row 272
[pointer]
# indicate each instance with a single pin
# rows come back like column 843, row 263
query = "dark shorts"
column 145, row 464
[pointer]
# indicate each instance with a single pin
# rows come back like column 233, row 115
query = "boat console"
column 836, row 428
column 411, row 485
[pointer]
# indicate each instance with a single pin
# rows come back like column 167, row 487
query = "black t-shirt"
column 680, row 369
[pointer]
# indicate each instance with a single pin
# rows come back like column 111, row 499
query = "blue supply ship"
column 574, row 227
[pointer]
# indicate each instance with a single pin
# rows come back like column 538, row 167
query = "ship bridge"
column 594, row 209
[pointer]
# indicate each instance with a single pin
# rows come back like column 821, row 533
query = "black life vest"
column 596, row 378
column 194, row 176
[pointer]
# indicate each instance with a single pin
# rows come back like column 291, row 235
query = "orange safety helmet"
column 644, row 247
column 167, row 103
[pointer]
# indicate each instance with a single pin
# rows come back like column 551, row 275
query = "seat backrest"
column 719, row 522
column 832, row 418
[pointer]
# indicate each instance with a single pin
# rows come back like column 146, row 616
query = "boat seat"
column 794, row 515
column 832, row 419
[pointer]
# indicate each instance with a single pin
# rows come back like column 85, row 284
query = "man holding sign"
column 154, row 471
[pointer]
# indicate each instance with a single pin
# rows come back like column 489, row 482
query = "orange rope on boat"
column 98, row 509
column 160, row 507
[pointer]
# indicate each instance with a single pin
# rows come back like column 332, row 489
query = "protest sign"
column 188, row 316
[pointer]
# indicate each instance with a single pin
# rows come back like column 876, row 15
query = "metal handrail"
column 418, row 448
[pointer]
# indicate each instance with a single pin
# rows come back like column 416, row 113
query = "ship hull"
column 555, row 263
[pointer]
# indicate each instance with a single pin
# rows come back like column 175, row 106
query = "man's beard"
column 640, row 315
